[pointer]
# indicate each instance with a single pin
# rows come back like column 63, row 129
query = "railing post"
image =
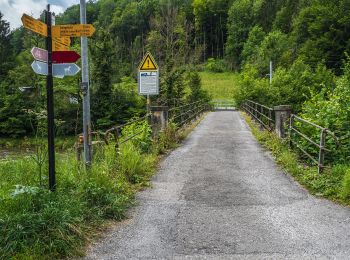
column 256, row 111
column 282, row 116
column 291, row 122
column 270, row 119
column 159, row 119
column 322, row 150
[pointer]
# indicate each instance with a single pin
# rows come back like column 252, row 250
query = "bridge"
column 221, row 196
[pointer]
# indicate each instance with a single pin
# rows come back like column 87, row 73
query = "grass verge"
column 333, row 183
column 38, row 224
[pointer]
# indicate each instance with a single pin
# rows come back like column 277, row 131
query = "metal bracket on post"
column 84, row 87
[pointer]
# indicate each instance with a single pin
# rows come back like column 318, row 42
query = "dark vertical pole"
column 50, row 106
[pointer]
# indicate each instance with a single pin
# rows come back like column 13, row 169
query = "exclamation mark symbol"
column 147, row 63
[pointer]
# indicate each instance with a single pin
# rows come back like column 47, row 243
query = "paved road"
column 221, row 196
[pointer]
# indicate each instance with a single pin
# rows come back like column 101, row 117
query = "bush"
column 214, row 65
column 141, row 133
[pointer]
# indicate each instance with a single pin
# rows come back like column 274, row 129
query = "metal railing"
column 115, row 133
column 262, row 114
column 224, row 104
column 183, row 114
column 318, row 159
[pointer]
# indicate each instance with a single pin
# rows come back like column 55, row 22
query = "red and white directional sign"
column 39, row 54
column 65, row 56
column 57, row 56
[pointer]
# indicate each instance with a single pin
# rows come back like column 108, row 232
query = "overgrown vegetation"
column 333, row 183
column 38, row 224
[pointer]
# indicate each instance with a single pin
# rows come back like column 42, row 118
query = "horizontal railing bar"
column 130, row 137
column 270, row 119
column 305, row 152
column 307, row 122
column 268, row 108
column 305, row 137
column 261, row 122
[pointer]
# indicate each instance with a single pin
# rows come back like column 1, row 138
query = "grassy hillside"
column 220, row 86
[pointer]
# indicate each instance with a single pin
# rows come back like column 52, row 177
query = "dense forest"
column 307, row 41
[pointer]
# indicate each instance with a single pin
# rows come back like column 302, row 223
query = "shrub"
column 214, row 65
column 141, row 133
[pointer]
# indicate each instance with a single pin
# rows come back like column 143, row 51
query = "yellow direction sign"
column 63, row 40
column 56, row 46
column 148, row 63
column 72, row 30
column 34, row 25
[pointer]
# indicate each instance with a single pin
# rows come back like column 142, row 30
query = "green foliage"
column 332, row 184
column 346, row 185
column 141, row 133
column 195, row 86
column 6, row 50
column 330, row 108
column 167, row 139
column 291, row 86
column 214, row 65
column 251, row 46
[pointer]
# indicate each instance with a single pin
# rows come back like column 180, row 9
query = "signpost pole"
column 148, row 104
column 85, row 89
column 50, row 105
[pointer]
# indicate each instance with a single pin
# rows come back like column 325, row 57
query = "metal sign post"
column 85, row 86
column 50, row 105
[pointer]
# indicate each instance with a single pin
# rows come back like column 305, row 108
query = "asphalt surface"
column 221, row 196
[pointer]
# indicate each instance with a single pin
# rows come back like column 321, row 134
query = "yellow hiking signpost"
column 73, row 30
column 63, row 40
column 57, row 39
column 34, row 25
column 57, row 46
column 148, row 63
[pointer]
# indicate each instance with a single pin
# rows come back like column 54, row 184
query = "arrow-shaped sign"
column 34, row 25
column 57, row 56
column 40, row 67
column 72, row 30
column 39, row 54
column 65, row 69
column 65, row 56
column 58, row 70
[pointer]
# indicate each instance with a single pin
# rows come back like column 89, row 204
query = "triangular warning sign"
column 148, row 63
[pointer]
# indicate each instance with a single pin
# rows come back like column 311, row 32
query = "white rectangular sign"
column 148, row 82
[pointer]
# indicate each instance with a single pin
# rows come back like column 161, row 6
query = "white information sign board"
column 148, row 82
